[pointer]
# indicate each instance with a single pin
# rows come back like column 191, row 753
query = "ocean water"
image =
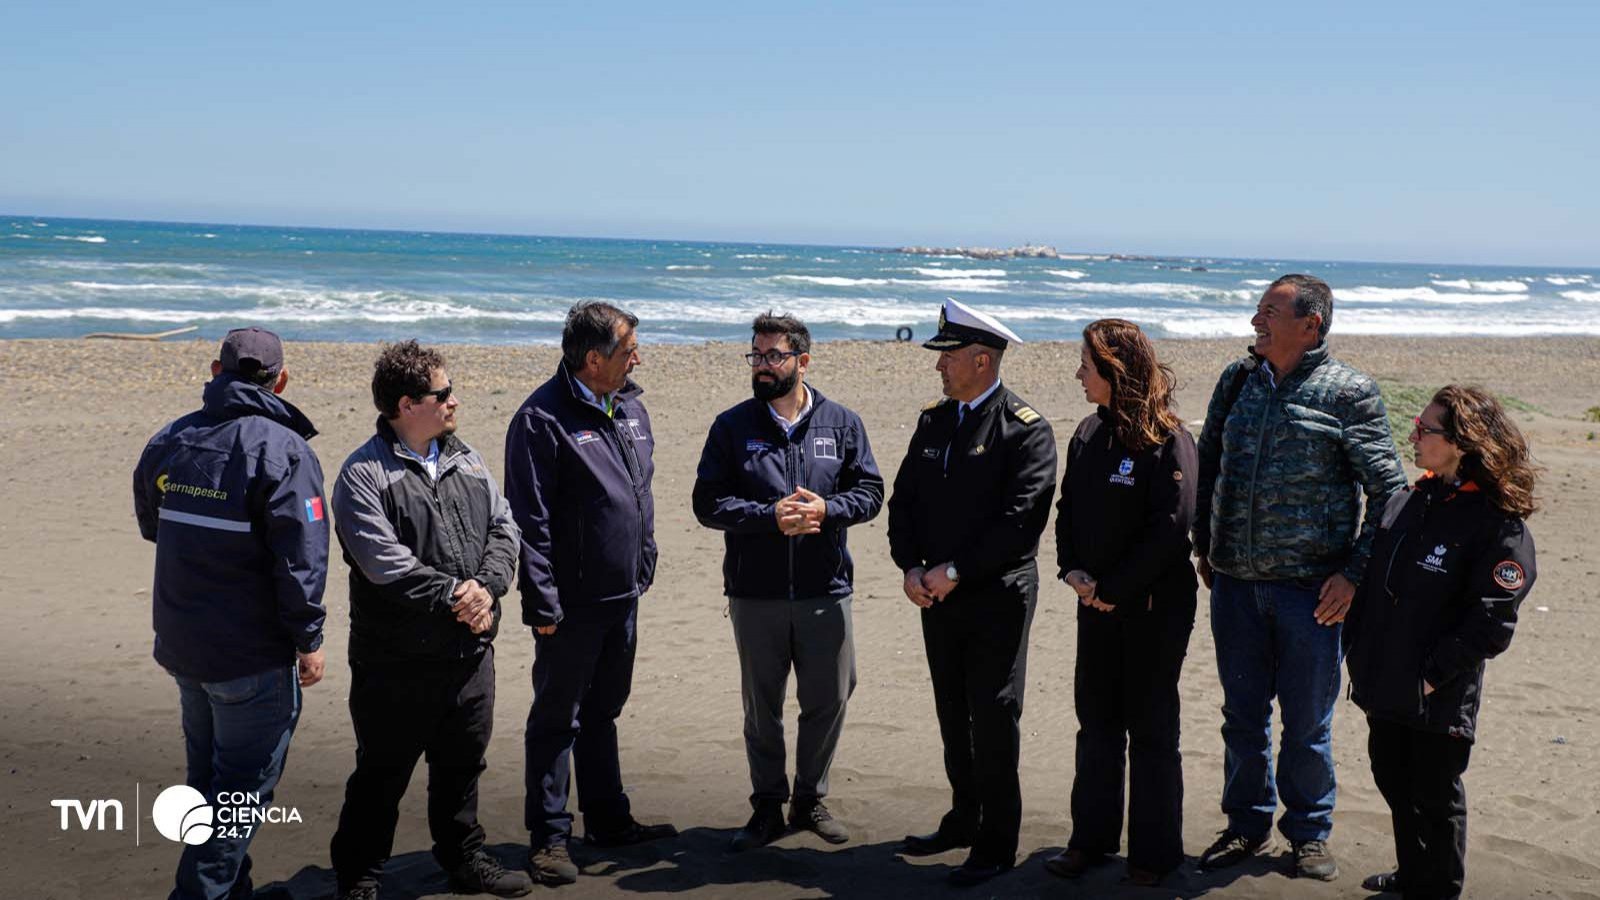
column 69, row 277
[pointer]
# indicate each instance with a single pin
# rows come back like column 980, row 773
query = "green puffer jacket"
column 1283, row 470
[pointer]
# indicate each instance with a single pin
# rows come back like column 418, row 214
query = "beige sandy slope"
column 85, row 712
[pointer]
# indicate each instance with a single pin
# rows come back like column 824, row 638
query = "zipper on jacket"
column 630, row 459
column 791, row 470
column 1255, row 466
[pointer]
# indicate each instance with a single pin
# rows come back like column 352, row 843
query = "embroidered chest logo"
column 756, row 446
column 1124, row 473
column 631, row 428
column 586, row 437
column 1434, row 562
column 824, row 448
column 930, row 452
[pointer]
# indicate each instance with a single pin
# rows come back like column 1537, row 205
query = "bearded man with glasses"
column 783, row 475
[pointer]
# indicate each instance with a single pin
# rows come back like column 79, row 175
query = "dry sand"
column 85, row 713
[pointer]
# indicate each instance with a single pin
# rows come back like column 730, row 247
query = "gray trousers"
column 814, row 637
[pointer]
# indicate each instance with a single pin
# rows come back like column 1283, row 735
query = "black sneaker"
column 636, row 832
column 765, row 826
column 1312, row 860
column 365, row 889
column 552, row 864
column 813, row 816
column 1230, row 848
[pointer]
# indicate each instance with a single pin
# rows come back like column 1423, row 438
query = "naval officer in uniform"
column 969, row 503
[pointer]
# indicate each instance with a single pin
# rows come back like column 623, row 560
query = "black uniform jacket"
column 1124, row 516
column 1440, row 596
column 984, row 508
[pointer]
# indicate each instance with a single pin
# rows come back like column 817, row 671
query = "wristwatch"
column 951, row 573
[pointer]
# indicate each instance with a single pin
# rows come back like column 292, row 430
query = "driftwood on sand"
column 128, row 336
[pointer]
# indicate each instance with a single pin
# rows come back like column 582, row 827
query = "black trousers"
column 1126, row 694
column 443, row 711
column 977, row 645
column 1419, row 774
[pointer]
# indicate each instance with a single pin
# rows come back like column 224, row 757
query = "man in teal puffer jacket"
column 1292, row 440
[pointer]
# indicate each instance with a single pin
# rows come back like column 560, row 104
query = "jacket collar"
column 449, row 445
column 630, row 390
column 228, row 396
column 1432, row 484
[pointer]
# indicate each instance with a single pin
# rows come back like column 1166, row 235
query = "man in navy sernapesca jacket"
column 232, row 497
column 578, row 476
column 782, row 476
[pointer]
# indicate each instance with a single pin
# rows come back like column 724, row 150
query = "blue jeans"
column 1270, row 645
column 236, row 734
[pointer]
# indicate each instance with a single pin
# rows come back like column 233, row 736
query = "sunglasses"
column 771, row 357
column 442, row 394
column 1420, row 428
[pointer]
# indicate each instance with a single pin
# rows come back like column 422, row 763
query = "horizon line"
column 703, row 241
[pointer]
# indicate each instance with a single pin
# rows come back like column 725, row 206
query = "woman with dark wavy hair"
column 1451, row 563
column 1122, row 536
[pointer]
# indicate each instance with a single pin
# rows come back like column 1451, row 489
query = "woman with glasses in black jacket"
column 1451, row 563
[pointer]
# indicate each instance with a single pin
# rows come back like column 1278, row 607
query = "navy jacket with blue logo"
column 232, row 497
column 749, row 464
column 579, row 483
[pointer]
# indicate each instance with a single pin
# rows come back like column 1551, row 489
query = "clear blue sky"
column 1458, row 132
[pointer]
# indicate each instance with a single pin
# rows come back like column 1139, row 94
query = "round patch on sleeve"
column 1508, row 574
column 1177, row 474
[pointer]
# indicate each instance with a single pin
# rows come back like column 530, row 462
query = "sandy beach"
column 86, row 713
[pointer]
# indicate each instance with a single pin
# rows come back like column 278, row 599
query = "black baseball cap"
column 250, row 351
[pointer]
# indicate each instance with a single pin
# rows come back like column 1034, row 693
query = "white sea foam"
column 1189, row 293
column 1258, row 282
column 761, row 256
column 972, row 285
column 961, row 273
column 86, row 238
column 1067, row 273
column 1373, row 294
column 681, row 268
column 208, row 235
column 1582, row 296
column 96, row 265
column 1565, row 280
column 833, row 280
column 1488, row 287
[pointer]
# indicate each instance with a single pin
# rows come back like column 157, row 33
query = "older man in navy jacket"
column 578, row 475
column 783, row 475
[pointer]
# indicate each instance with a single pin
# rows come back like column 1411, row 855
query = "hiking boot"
column 483, row 874
column 365, row 889
column 1230, row 848
column 552, row 865
column 813, row 816
column 1312, row 860
column 765, row 826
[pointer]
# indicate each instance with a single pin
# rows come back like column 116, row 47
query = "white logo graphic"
column 95, row 812
column 1124, row 472
column 824, row 448
column 1434, row 562
column 182, row 814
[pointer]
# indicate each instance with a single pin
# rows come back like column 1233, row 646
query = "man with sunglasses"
column 783, row 475
column 579, row 474
column 432, row 547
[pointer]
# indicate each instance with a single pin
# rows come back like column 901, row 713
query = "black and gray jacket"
column 410, row 540
column 1440, row 597
column 1283, row 470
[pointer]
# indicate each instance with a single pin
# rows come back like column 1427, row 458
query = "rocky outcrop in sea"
column 1029, row 251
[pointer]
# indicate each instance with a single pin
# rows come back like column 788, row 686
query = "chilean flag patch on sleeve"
column 314, row 509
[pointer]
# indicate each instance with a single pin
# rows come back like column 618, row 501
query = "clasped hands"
column 800, row 513
column 926, row 586
column 474, row 605
column 1085, row 586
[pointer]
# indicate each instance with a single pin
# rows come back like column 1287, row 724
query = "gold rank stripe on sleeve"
column 1024, row 413
column 933, row 404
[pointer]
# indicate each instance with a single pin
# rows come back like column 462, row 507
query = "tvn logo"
column 180, row 813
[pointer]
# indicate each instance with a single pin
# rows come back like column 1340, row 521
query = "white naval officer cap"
column 960, row 325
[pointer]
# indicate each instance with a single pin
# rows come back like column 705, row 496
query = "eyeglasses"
column 1419, row 428
column 771, row 357
column 442, row 394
